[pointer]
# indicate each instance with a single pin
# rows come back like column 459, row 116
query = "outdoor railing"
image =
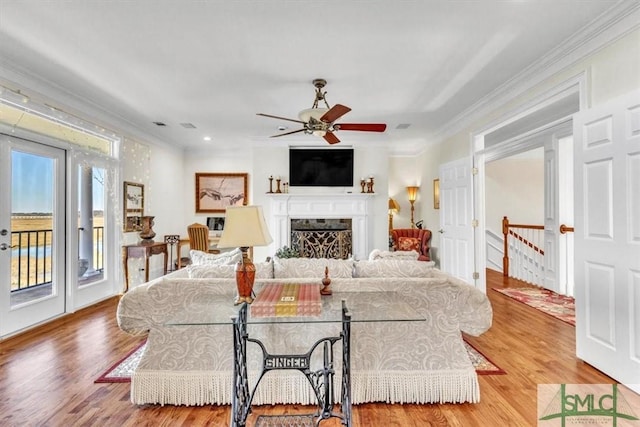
column 31, row 257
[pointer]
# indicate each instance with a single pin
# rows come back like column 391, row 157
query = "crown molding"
column 612, row 25
column 47, row 92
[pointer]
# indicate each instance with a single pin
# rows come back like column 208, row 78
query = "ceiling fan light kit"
column 320, row 121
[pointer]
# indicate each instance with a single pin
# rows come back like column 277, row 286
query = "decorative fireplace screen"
column 322, row 238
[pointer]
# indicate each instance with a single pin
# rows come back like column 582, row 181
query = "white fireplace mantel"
column 358, row 207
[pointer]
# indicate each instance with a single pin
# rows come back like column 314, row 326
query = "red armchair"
column 417, row 239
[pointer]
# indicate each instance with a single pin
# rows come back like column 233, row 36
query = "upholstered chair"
column 407, row 239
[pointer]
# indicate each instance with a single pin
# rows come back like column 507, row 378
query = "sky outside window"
column 32, row 184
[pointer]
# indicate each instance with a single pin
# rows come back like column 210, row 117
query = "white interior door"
column 32, row 233
column 456, row 216
column 558, row 209
column 607, row 238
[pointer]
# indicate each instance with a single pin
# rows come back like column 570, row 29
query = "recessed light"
column 207, row 138
column 281, row 128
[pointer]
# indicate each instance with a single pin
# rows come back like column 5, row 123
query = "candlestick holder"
column 362, row 185
column 270, row 185
column 370, row 185
column 278, row 190
column 285, row 186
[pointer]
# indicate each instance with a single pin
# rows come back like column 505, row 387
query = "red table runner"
column 287, row 300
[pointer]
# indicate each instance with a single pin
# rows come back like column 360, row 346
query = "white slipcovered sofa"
column 395, row 362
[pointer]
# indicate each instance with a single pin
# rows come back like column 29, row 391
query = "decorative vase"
column 146, row 233
column 326, row 283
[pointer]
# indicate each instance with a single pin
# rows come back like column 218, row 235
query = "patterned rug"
column 559, row 306
column 121, row 371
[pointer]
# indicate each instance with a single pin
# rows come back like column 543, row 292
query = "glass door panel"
column 32, row 237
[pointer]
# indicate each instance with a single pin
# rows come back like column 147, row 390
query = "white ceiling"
column 215, row 64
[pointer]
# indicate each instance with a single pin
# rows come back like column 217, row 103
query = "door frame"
column 75, row 155
column 481, row 155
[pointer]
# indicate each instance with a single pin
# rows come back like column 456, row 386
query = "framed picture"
column 133, row 209
column 216, row 191
column 436, row 194
column 215, row 223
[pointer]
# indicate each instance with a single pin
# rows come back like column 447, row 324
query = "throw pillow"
column 394, row 268
column 409, row 244
column 286, row 268
column 407, row 255
column 264, row 270
column 204, row 258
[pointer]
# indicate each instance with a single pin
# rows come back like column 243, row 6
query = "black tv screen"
column 321, row 167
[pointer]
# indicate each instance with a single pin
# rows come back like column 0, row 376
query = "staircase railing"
column 523, row 254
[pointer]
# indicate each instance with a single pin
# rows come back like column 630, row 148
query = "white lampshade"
column 244, row 226
column 316, row 113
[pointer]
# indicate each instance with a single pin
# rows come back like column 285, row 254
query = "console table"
column 142, row 250
column 341, row 308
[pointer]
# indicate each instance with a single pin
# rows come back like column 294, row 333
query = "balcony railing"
column 31, row 261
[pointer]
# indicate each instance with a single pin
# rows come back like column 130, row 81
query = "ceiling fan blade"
column 280, row 118
column 287, row 133
column 365, row 127
column 331, row 138
column 334, row 113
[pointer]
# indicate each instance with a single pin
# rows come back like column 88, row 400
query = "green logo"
column 588, row 407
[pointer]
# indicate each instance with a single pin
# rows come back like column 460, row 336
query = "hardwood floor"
column 46, row 375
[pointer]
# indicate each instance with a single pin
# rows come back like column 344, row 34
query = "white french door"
column 607, row 238
column 32, row 233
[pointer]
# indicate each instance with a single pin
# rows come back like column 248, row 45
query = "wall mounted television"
column 321, row 167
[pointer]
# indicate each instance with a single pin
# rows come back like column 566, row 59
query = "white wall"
column 160, row 169
column 262, row 161
column 613, row 70
column 418, row 170
column 515, row 189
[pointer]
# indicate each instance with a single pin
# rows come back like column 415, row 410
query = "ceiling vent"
column 159, row 123
column 188, row 125
column 403, row 125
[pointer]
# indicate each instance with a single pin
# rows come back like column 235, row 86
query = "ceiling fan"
column 320, row 121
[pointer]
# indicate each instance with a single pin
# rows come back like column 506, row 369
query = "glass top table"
column 342, row 308
column 374, row 306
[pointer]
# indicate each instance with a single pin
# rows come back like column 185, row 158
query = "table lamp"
column 244, row 227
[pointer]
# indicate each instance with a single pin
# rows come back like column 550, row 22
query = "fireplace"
column 322, row 237
column 336, row 221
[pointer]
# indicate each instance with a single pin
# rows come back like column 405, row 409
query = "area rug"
column 483, row 365
column 559, row 306
column 121, row 371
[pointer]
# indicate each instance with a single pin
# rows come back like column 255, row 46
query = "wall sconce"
column 394, row 207
column 436, row 194
column 413, row 195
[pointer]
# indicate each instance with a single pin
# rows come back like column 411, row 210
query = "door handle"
column 4, row 232
column 4, row 246
column 565, row 229
column 441, row 231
